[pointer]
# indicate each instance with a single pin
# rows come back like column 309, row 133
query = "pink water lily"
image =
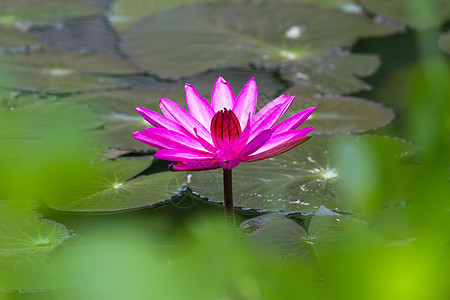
column 225, row 132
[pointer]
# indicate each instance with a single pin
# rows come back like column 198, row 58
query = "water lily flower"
column 225, row 132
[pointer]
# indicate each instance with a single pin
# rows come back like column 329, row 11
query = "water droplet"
column 288, row 55
column 351, row 8
column 328, row 174
column 118, row 185
column 294, row 32
column 57, row 71
column 300, row 75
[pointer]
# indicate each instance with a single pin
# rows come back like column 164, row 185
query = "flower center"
column 225, row 128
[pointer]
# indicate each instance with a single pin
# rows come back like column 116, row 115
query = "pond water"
column 87, row 212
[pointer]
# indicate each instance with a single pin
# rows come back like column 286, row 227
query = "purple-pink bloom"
column 225, row 132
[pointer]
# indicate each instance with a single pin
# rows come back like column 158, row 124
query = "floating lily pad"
column 12, row 37
column 25, row 242
column 283, row 236
column 444, row 42
column 43, row 143
column 116, row 109
column 116, row 187
column 341, row 114
column 416, row 13
column 47, row 10
column 176, row 42
column 125, row 12
column 61, row 71
column 92, row 35
column 302, row 179
column 334, row 73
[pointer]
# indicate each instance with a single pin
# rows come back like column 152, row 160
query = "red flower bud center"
column 225, row 128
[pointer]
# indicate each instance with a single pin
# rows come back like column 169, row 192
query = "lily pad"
column 283, row 236
column 176, row 42
column 301, row 180
column 116, row 109
column 336, row 72
column 92, row 35
column 47, row 10
column 25, row 242
column 416, row 13
column 115, row 187
column 12, row 37
column 444, row 42
column 40, row 141
column 341, row 114
column 125, row 12
column 61, row 71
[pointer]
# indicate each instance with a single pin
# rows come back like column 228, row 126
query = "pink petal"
column 159, row 121
column 182, row 155
column 173, row 140
column 246, row 102
column 162, row 142
column 196, row 165
column 269, row 106
column 294, row 121
column 287, row 136
column 144, row 138
column 243, row 138
column 257, row 142
column 198, row 106
column 222, row 95
column 176, row 113
column 277, row 150
column 271, row 117
column 204, row 143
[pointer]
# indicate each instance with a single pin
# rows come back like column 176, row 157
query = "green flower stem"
column 228, row 195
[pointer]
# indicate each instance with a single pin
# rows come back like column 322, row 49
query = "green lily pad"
column 444, row 42
column 12, row 37
column 283, row 236
column 25, row 242
column 301, row 180
column 341, row 114
column 40, row 141
column 416, row 13
column 176, row 42
column 115, row 187
column 61, row 71
column 47, row 10
column 334, row 73
column 92, row 35
column 116, row 109
column 125, row 12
